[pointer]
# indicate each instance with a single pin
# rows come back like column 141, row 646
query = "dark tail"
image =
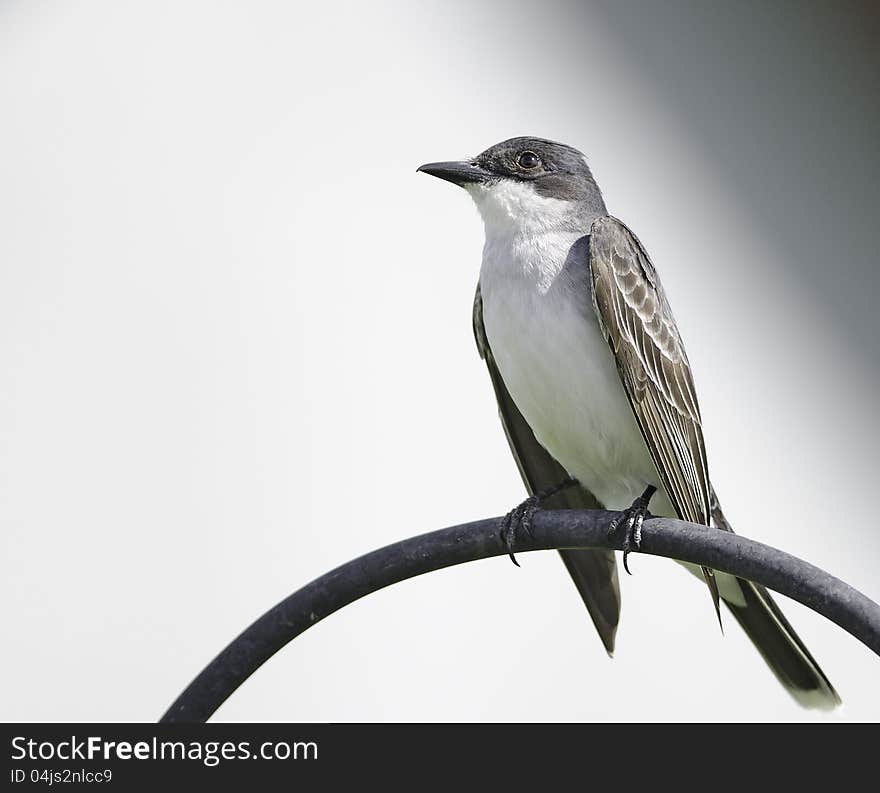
column 782, row 649
column 595, row 575
column 773, row 636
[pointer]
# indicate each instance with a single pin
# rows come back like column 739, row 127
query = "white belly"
column 561, row 374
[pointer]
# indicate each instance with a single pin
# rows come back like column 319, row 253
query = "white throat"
column 528, row 236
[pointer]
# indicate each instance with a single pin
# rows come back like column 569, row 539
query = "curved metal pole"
column 709, row 547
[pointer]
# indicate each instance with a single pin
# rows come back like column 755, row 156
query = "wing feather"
column 637, row 322
column 594, row 572
column 641, row 331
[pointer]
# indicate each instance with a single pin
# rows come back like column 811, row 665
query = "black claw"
column 634, row 516
column 521, row 515
column 529, row 508
column 508, row 534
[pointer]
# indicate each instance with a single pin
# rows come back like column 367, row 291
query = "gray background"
column 235, row 347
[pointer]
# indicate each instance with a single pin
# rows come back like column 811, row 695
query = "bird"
column 594, row 389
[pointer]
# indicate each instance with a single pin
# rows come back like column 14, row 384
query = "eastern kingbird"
column 594, row 388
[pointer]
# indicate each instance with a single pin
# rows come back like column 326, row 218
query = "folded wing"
column 594, row 572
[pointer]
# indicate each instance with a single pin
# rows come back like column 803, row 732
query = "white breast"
column 557, row 366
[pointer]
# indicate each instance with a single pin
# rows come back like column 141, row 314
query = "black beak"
column 460, row 173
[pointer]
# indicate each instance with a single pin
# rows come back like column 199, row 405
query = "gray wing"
column 641, row 331
column 594, row 571
column 637, row 322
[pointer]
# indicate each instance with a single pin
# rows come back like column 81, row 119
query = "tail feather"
column 595, row 576
column 771, row 633
column 594, row 571
column 782, row 649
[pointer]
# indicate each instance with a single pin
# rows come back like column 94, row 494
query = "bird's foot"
column 632, row 519
column 521, row 515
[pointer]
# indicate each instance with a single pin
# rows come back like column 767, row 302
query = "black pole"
column 709, row 547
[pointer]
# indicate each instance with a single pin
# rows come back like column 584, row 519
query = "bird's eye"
column 529, row 160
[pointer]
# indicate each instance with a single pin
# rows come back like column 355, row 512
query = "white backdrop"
column 235, row 351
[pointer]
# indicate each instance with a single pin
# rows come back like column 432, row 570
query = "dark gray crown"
column 561, row 172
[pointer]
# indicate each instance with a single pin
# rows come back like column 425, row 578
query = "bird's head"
column 525, row 180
